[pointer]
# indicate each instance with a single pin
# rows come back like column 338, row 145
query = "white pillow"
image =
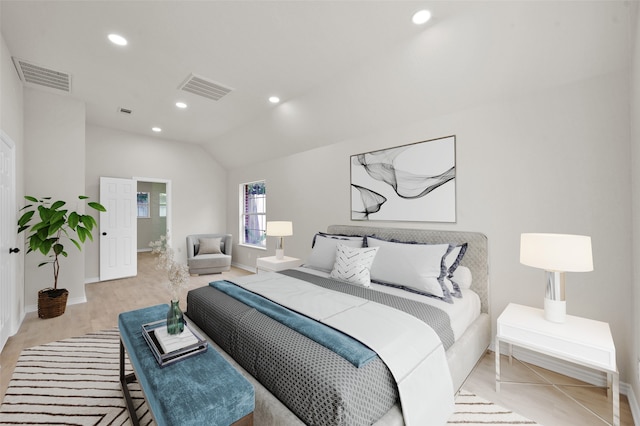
column 461, row 276
column 415, row 267
column 353, row 265
column 323, row 253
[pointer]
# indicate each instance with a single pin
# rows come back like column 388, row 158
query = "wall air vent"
column 202, row 87
column 42, row 76
column 125, row 111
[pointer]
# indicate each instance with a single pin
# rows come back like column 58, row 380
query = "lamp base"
column 279, row 254
column 555, row 310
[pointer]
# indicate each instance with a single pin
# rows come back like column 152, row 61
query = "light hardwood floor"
column 105, row 300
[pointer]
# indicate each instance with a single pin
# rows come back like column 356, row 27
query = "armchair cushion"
column 209, row 246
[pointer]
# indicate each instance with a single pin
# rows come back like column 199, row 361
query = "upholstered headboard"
column 476, row 258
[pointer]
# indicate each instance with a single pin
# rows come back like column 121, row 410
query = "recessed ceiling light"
column 181, row 105
column 274, row 99
column 156, row 129
column 421, row 17
column 117, row 39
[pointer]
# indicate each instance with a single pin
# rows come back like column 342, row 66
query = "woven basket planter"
column 52, row 303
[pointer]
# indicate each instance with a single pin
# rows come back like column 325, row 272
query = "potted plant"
column 51, row 227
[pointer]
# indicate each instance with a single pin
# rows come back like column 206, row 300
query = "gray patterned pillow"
column 353, row 265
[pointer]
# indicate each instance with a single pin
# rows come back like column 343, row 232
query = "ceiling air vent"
column 42, row 76
column 203, row 87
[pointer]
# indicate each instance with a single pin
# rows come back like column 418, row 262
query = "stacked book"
column 169, row 348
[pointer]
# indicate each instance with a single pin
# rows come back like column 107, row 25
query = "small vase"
column 175, row 319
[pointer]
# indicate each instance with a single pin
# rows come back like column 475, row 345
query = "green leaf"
column 73, row 220
column 97, row 206
column 57, row 205
column 58, row 248
column 58, row 215
column 44, row 212
column 82, row 197
column 45, row 247
column 76, row 244
column 64, row 253
column 25, row 218
column 81, row 233
column 93, row 220
column 30, row 198
column 22, row 228
column 87, row 221
column 43, row 263
column 38, row 226
column 42, row 233
column 54, row 227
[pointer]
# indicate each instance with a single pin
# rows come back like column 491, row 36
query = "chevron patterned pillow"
column 353, row 265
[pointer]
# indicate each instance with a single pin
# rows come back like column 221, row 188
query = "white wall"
column 12, row 124
column 635, row 168
column 555, row 160
column 55, row 167
column 198, row 183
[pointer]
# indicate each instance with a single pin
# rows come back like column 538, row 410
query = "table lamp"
column 556, row 254
column 279, row 229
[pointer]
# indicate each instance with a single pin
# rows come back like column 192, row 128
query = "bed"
column 299, row 381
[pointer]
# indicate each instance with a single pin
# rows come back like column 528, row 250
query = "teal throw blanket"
column 347, row 347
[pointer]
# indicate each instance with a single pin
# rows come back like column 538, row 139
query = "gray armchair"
column 209, row 253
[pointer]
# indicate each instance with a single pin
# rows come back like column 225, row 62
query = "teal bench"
column 201, row 390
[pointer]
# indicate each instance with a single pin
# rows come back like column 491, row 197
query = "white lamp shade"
column 556, row 252
column 279, row 228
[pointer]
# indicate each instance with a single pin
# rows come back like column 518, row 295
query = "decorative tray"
column 168, row 349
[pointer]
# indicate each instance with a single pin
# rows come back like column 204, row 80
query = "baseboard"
column 92, row 280
column 633, row 404
column 245, row 267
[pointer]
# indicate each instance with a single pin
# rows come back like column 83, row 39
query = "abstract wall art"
column 414, row 182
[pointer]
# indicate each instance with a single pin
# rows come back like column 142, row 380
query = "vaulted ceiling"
column 340, row 68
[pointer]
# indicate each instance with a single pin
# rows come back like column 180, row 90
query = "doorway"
column 118, row 225
column 152, row 209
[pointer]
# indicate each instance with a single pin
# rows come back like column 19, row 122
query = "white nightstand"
column 578, row 340
column 271, row 264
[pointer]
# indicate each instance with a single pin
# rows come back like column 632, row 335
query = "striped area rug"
column 471, row 410
column 76, row 382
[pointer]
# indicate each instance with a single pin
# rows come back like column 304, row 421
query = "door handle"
column 14, row 250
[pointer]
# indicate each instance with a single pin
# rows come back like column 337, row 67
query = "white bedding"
column 409, row 347
column 462, row 312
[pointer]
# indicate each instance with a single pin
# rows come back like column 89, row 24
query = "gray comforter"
column 316, row 384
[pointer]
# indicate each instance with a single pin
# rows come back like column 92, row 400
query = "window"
column 162, row 202
column 253, row 221
column 143, row 204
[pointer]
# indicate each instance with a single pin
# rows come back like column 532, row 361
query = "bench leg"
column 124, row 380
column 245, row 421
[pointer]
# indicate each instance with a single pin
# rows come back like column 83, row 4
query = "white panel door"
column 118, row 228
column 8, row 238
